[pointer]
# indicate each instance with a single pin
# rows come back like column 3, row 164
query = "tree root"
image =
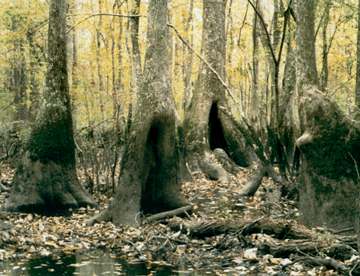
column 254, row 182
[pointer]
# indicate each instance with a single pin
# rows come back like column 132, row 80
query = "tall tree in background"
column 150, row 179
column 330, row 141
column 46, row 179
column 19, row 79
column 136, row 70
column 205, row 127
column 357, row 87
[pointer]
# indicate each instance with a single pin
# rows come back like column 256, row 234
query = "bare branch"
column 209, row 66
column 101, row 14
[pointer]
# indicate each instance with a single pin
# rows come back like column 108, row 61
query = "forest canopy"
column 101, row 60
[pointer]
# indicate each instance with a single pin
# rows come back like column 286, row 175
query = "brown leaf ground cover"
column 226, row 234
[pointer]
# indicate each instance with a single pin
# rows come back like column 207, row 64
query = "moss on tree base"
column 46, row 189
column 330, row 147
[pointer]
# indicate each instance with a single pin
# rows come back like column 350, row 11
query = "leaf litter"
column 226, row 234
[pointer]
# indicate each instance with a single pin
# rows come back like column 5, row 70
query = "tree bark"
column 255, row 72
column 205, row 127
column 150, row 177
column 329, row 176
column 357, row 87
column 20, row 85
column 34, row 84
column 98, row 60
column 188, row 64
column 306, row 72
column 136, row 70
column 46, row 180
column 324, row 77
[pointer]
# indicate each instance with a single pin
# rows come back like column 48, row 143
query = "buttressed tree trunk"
column 329, row 175
column 330, row 141
column 46, row 180
column 205, row 127
column 150, row 180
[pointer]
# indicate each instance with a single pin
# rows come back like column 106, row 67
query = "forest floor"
column 226, row 234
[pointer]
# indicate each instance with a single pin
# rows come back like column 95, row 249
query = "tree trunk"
column 46, row 180
column 34, row 84
column 255, row 72
column 306, row 72
column 189, row 61
column 136, row 70
column 330, row 141
column 98, row 60
column 205, row 127
column 20, row 85
column 330, row 147
column 357, row 87
column 150, row 177
column 75, row 73
column 324, row 77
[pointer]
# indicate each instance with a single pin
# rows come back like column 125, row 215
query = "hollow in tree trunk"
column 150, row 178
column 46, row 180
column 205, row 128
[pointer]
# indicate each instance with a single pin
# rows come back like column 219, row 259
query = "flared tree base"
column 46, row 189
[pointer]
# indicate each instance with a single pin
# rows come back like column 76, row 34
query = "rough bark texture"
column 329, row 176
column 330, row 147
column 357, row 87
column 306, row 73
column 205, row 127
column 46, row 181
column 150, row 179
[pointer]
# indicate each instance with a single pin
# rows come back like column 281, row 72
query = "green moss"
column 52, row 141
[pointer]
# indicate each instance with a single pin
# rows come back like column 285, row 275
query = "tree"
column 205, row 127
column 46, row 179
column 329, row 176
column 357, row 87
column 150, row 180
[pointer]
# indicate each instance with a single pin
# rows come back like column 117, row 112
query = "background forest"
column 106, row 53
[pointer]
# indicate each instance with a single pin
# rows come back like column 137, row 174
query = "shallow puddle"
column 91, row 264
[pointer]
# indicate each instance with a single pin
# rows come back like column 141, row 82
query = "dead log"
column 328, row 262
column 281, row 248
column 172, row 213
column 278, row 227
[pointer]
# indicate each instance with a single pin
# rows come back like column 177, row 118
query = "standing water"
column 99, row 263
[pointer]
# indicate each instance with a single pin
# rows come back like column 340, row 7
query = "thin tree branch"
column 100, row 14
column 265, row 29
column 209, row 66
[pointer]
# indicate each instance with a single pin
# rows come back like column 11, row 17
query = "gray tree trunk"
column 357, row 87
column 136, row 69
column 205, row 127
column 150, row 177
column 34, row 84
column 20, row 85
column 188, row 64
column 329, row 175
column 324, row 77
column 306, row 73
column 46, row 180
column 255, row 72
